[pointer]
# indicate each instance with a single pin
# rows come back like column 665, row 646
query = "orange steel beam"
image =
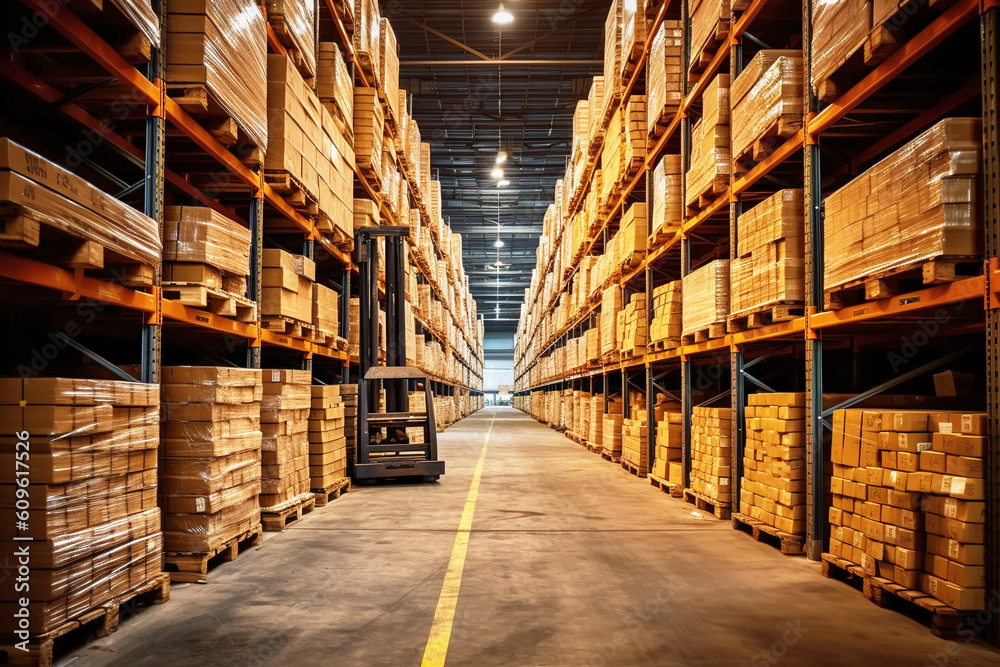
column 948, row 22
column 780, row 330
column 744, row 21
column 706, row 77
column 651, row 34
column 34, row 272
column 206, row 320
column 783, row 152
column 902, row 304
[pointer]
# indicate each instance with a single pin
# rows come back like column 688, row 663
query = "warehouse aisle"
column 571, row 561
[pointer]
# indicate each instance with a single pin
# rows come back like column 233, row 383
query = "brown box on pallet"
column 766, row 101
column 706, row 296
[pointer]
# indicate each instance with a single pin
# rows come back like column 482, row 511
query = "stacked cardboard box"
column 706, row 297
column 767, row 103
column 634, row 135
column 595, row 100
column 710, row 145
column 770, row 267
column 334, row 87
column 294, row 125
column 839, row 29
column 388, row 62
column 88, row 510
column 595, row 420
column 287, row 286
column 664, row 75
column 327, row 442
column 635, row 436
column 668, row 198
column 919, row 203
column 907, row 499
column 709, row 23
column 611, row 305
column 612, row 159
column 631, row 237
column 668, row 464
column 634, row 30
column 210, row 466
column 284, row 417
column 367, row 24
column 711, row 454
column 206, row 47
column 326, row 312
column 349, row 395
column 611, row 438
column 202, row 246
column 293, row 23
column 614, row 55
column 667, row 322
column 633, row 333
column 142, row 16
column 773, row 487
column 369, row 128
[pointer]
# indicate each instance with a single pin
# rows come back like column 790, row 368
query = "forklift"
column 384, row 450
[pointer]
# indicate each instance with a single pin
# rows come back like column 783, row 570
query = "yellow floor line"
column 437, row 643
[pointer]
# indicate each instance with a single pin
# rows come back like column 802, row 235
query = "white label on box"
column 275, row 376
column 724, row 481
column 953, row 548
column 950, row 510
column 958, row 485
column 945, row 427
column 200, row 505
column 933, row 585
column 923, row 446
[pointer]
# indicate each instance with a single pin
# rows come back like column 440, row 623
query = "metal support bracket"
column 66, row 340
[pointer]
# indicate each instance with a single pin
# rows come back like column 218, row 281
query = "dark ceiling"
column 463, row 99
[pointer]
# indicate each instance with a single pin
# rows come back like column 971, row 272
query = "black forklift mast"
column 384, row 449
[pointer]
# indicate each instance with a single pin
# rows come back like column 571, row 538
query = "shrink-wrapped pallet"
column 284, row 417
column 664, row 74
column 581, row 127
column 634, row 135
column 668, row 198
column 613, row 53
column 595, row 101
column 326, row 311
column 921, row 202
column 709, row 25
column 666, row 322
column 634, row 29
column 199, row 235
column 367, row 28
column 287, row 283
column 706, row 296
column 669, row 446
column 335, row 167
column 143, row 17
column 295, row 128
column 611, row 305
column 369, row 124
column 335, row 88
column 221, row 45
column 767, row 103
column 293, row 21
column 87, row 511
column 327, row 440
column 38, row 192
column 388, row 62
column 632, row 235
column 710, row 145
column 839, row 29
column 634, row 333
column 770, row 267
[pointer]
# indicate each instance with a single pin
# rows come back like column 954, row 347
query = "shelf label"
column 909, row 300
column 200, row 318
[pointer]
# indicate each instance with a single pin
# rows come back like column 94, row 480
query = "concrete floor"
column 571, row 561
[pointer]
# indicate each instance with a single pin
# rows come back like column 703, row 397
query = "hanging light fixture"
column 498, row 243
column 497, row 173
column 502, row 183
column 501, row 157
column 502, row 16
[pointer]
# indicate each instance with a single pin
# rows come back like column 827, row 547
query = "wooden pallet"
column 715, row 187
column 638, row 471
column 609, row 455
column 657, row 125
column 283, row 516
column 701, row 56
column 658, row 238
column 790, row 544
column 675, row 490
column 664, row 345
column 901, row 279
column 199, row 102
column 192, row 567
column 596, row 449
column 763, row 316
column 326, row 496
column 769, row 141
column 97, row 623
column 285, row 35
column 944, row 621
column 711, row 332
column 213, row 300
column 26, row 232
column 706, row 504
column 286, row 326
column 292, row 189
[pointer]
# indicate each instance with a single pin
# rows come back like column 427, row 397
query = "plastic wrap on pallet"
column 367, row 24
column 634, row 29
column 205, row 236
column 921, row 202
column 705, row 17
column 771, row 253
column 706, row 296
column 295, row 140
column 326, row 310
column 613, row 52
column 143, row 16
column 50, row 194
column 839, row 28
column 595, row 101
column 668, row 199
column 665, row 72
column 389, row 66
column 766, row 99
column 223, row 45
column 285, row 449
column 294, row 22
column 634, row 134
column 666, row 320
column 368, row 130
column 334, row 86
column 710, row 143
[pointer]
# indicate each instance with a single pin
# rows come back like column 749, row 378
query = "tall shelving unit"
column 838, row 357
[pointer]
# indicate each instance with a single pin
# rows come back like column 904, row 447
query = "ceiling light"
column 501, row 157
column 497, row 173
column 503, row 183
column 503, row 17
column 498, row 244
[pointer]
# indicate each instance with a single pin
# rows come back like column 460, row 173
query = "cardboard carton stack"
column 349, row 395
column 611, row 305
column 711, row 454
column 284, row 416
column 91, row 523
column 203, row 247
column 631, row 237
column 388, row 62
column 839, row 30
column 369, row 133
column 666, row 324
column 581, row 413
column 293, row 23
column 634, row 31
column 634, row 135
column 287, row 292
column 710, row 145
column 664, row 76
column 635, row 436
column 773, row 487
column 767, row 105
column 595, row 420
column 612, row 160
column 207, row 49
column 327, row 442
column 595, row 100
column 614, row 55
column 919, row 203
column 335, row 89
column 709, row 24
column 908, row 490
column 669, row 462
column 611, row 438
column 367, row 24
column 210, row 465
column 770, row 267
column 633, row 333
column 326, row 314
column 706, row 298
column 668, row 199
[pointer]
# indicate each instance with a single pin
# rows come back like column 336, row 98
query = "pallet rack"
column 166, row 126
column 840, row 340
